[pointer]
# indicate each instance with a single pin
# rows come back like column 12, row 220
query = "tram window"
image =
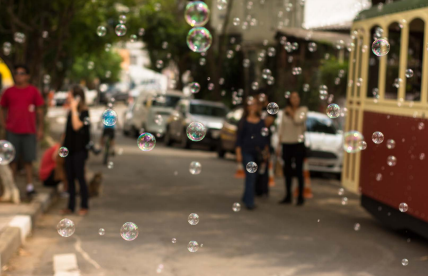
column 393, row 61
column 415, row 60
column 373, row 70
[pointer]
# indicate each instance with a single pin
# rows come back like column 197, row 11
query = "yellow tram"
column 389, row 94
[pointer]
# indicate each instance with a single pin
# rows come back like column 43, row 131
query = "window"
column 393, row 61
column 207, row 110
column 320, row 125
column 166, row 101
column 415, row 60
column 373, row 71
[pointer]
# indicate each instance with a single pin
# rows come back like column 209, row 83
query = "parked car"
column 150, row 111
column 127, row 119
column 325, row 142
column 211, row 114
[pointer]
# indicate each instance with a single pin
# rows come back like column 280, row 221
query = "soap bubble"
column 63, row 152
column 120, row 30
column 378, row 32
column 341, row 191
column 129, row 231
column 265, row 131
column 306, row 87
column 159, row 64
column 271, row 52
column 196, row 131
column 378, row 177
column 236, row 207
column 202, row 61
column 133, row 38
column 229, row 54
column 158, row 7
column 146, row 141
column 174, row 240
column 390, row 144
column 65, row 228
column 312, row 47
column 404, row 262
column 158, row 119
column 101, row 232
column 110, row 165
column 333, row 110
column 7, row 48
column 193, row 219
column 109, row 117
column 251, row 167
column 363, row 145
column 101, row 31
column 193, row 246
column 344, row 201
column 391, row 161
column 380, row 47
column 246, row 63
column 421, row 126
column 19, row 37
column 270, row 80
column 46, row 79
column 403, row 207
column 199, row 39
column 255, row 85
column 197, row 13
column 377, row 137
column 7, row 152
column 195, row 167
column 409, row 73
column 266, row 73
column 107, row 47
column 122, row 19
column 91, row 65
column 357, row 227
column 323, row 94
column 352, row 140
column 221, row 4
column 141, row 31
column 236, row 21
column 272, row 108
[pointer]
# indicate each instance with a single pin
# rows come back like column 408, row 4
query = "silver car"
column 211, row 114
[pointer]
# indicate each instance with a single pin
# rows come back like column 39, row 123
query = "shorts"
column 109, row 132
column 25, row 146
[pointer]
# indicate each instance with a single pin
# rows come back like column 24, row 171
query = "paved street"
column 156, row 191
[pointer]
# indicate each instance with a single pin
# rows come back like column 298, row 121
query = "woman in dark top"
column 76, row 139
column 251, row 146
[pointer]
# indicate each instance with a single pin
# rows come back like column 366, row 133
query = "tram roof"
column 395, row 7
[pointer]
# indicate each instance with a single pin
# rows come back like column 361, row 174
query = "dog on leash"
column 95, row 185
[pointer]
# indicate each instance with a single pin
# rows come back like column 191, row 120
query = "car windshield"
column 207, row 110
column 166, row 101
column 321, row 125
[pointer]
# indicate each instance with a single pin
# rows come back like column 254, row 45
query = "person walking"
column 19, row 105
column 251, row 146
column 291, row 137
column 76, row 138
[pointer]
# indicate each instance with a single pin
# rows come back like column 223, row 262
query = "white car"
column 150, row 111
column 325, row 143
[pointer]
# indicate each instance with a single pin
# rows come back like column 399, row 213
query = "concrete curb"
column 20, row 226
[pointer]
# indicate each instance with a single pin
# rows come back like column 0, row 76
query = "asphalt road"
column 156, row 191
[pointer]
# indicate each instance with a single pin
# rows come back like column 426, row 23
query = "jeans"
column 250, row 179
column 75, row 169
column 297, row 152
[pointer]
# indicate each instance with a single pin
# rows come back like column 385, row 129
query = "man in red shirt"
column 19, row 105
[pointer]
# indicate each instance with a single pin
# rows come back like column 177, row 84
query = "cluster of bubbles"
column 146, row 141
column 199, row 39
column 196, row 131
column 63, row 152
column 195, row 167
column 7, row 152
column 129, row 231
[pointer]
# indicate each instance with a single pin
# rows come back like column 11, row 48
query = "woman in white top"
column 291, row 136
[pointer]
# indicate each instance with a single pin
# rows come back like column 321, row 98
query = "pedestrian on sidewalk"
column 251, row 146
column 291, row 137
column 76, row 139
column 52, row 171
column 19, row 105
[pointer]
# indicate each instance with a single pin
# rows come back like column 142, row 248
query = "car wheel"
column 184, row 140
column 220, row 151
column 168, row 139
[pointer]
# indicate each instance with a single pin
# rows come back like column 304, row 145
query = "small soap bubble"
column 146, row 141
column 403, row 207
column 333, row 110
column 158, row 7
column 129, row 231
column 63, row 152
column 271, row 52
column 122, row 19
column 91, row 65
column 377, row 137
column 101, row 232
column 45, row 34
column 409, row 73
column 195, row 167
column 19, row 37
column 110, row 165
column 202, row 61
column 141, row 31
column 270, row 80
column 357, row 227
column 272, row 108
column 306, row 87
column 210, row 86
column 255, row 85
column 251, row 167
column 197, row 13
column 421, row 126
column 312, row 47
column 109, row 117
column 7, row 48
column 158, row 119
column 221, row 4
column 265, row 131
column 46, row 79
column 196, row 131
column 246, row 63
column 390, row 144
column 101, row 31
column 404, row 262
column 65, row 228
column 7, row 152
column 378, row 33
column 266, row 73
column 352, row 141
column 236, row 21
column 199, row 39
column 174, row 240
column 193, row 246
column 120, row 30
column 341, row 191
column 380, row 47
column 391, row 161
column 378, row 177
column 229, row 54
column 159, row 64
column 344, row 200
column 236, row 207
column 107, row 47
column 133, row 38
column 363, row 145
column 193, row 219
